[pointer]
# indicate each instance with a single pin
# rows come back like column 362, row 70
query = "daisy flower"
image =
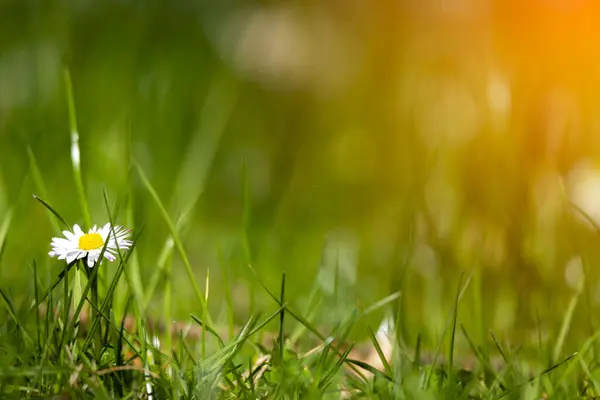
column 77, row 244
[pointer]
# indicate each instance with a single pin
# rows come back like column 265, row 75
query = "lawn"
column 299, row 200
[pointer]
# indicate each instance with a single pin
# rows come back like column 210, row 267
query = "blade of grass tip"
column 322, row 363
column 281, row 317
column 176, row 239
column 267, row 320
column 75, row 151
column 369, row 368
column 586, row 369
column 38, row 182
column 209, row 330
column 453, row 332
column 53, row 211
column 260, row 282
column 497, row 343
column 227, row 354
column 565, row 326
column 487, row 368
column 247, row 332
column 449, row 320
column 300, row 319
column 417, row 359
column 569, row 371
column 382, row 303
column 325, row 382
column 222, row 357
column 297, row 317
column 380, row 354
column 540, row 375
column 587, row 347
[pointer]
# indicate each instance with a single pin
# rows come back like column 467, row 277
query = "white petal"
column 94, row 254
column 104, row 232
column 72, row 256
column 61, row 242
column 57, row 252
column 91, row 261
column 77, row 231
column 69, row 235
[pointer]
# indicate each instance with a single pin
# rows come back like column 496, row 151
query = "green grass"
column 71, row 335
column 389, row 217
column 50, row 351
column 46, row 354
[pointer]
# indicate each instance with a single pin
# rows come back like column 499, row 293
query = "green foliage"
column 305, row 183
column 47, row 352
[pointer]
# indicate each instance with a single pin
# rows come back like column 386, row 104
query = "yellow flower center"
column 91, row 241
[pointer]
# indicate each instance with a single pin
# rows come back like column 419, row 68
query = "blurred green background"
column 340, row 141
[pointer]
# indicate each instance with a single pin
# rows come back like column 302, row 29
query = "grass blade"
column 75, row 151
column 453, row 332
column 53, row 211
column 281, row 317
column 11, row 311
column 380, row 354
column 450, row 320
column 4, row 230
column 176, row 239
column 497, row 343
column 208, row 329
column 566, row 324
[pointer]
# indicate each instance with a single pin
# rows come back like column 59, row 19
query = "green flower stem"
column 93, row 310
